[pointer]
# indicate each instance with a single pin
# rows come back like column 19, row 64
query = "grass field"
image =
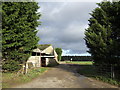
column 80, row 62
column 12, row 79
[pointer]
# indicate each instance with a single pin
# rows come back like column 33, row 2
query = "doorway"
column 43, row 61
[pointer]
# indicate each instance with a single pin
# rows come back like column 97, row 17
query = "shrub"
column 11, row 66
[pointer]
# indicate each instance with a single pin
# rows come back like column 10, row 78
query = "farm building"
column 43, row 55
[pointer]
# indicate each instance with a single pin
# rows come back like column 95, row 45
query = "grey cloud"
column 66, row 12
column 63, row 25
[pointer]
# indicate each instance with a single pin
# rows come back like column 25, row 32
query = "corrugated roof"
column 43, row 46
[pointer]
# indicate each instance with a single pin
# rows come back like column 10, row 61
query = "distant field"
column 80, row 62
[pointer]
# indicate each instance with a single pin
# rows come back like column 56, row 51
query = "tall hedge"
column 19, row 22
column 103, row 34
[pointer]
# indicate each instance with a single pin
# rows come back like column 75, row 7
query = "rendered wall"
column 35, row 60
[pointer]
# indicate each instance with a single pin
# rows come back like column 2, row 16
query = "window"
column 38, row 54
column 33, row 53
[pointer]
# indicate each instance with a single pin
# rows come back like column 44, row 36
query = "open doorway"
column 43, row 61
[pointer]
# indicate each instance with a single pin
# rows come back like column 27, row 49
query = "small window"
column 38, row 54
column 33, row 53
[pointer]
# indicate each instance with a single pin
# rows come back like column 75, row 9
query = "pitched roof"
column 43, row 46
column 37, row 50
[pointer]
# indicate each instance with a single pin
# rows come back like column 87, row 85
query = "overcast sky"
column 63, row 25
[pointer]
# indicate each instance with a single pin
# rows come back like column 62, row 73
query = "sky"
column 63, row 25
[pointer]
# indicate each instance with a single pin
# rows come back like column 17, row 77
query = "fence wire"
column 109, row 70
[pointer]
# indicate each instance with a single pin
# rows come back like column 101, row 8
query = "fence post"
column 112, row 72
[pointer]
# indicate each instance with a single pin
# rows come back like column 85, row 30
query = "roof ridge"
column 43, row 46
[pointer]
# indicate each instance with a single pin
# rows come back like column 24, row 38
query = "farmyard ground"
column 64, row 76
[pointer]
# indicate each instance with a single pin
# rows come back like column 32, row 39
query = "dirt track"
column 64, row 76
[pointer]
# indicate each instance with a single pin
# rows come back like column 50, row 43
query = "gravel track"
column 64, row 76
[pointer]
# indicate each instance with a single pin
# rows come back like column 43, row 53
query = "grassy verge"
column 80, row 62
column 86, row 68
column 12, row 79
column 90, row 71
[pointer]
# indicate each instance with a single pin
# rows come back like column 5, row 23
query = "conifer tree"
column 19, row 22
column 103, row 35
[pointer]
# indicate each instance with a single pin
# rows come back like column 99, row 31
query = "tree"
column 103, row 34
column 0, row 30
column 59, row 52
column 19, row 23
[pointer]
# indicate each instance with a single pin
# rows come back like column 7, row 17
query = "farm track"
column 64, row 76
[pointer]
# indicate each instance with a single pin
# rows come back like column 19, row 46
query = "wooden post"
column 113, row 75
column 25, row 68
column 112, row 72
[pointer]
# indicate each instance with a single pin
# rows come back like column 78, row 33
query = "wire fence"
column 109, row 70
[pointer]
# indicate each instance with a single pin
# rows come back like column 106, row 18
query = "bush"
column 11, row 66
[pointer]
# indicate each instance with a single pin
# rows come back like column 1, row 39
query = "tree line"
column 76, row 58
